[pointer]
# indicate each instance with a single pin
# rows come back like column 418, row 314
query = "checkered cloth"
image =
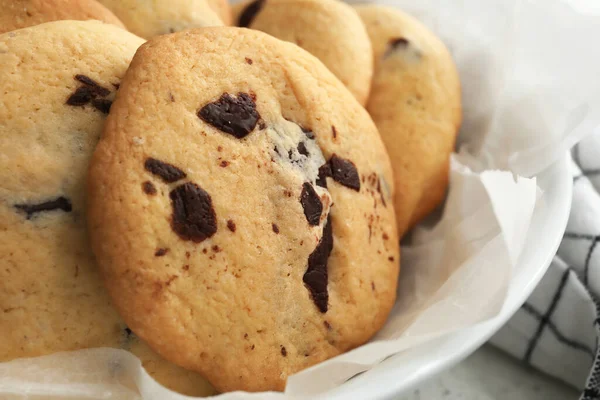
column 557, row 329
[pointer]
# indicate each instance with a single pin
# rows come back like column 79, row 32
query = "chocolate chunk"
column 194, row 217
column 128, row 333
column 311, row 203
column 275, row 228
column 249, row 13
column 102, row 105
column 167, row 172
column 344, row 172
column 302, row 149
column 315, row 277
column 398, row 43
column 94, row 87
column 60, row 203
column 80, row 97
column 149, row 188
column 236, row 116
column 283, row 351
column 231, row 225
column 160, row 252
column 309, row 134
column 324, row 172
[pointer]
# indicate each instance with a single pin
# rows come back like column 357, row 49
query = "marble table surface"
column 491, row 375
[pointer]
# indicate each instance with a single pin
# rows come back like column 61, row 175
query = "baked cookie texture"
column 223, row 10
column 240, row 208
column 17, row 14
column 328, row 29
column 58, row 83
column 151, row 18
column 415, row 102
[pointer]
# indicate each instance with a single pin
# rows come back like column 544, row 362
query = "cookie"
column 240, row 208
column 17, row 14
column 58, row 82
column 151, row 18
column 328, row 29
column 416, row 104
column 223, row 10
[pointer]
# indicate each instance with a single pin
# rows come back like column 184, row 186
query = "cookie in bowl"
column 415, row 102
column 328, row 29
column 158, row 17
column 59, row 80
column 240, row 208
column 23, row 13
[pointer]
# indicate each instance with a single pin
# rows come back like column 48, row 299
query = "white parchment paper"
column 531, row 87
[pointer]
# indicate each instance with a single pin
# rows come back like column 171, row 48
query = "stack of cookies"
column 224, row 202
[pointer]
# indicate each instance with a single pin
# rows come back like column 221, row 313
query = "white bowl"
column 400, row 373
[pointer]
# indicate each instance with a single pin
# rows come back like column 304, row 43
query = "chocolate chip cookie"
column 328, row 29
column 151, row 18
column 240, row 207
column 58, row 82
column 416, row 104
column 17, row 14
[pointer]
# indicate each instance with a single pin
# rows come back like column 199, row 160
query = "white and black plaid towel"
column 557, row 329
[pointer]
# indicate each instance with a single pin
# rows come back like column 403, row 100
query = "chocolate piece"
column 399, row 43
column 315, row 277
column 390, row 258
column 309, row 134
column 302, row 149
column 193, row 217
column 249, row 13
column 249, row 61
column 324, row 172
column 94, row 87
column 149, row 188
column 311, row 203
column 102, row 105
column 283, row 351
column 344, row 172
column 167, row 172
column 236, row 116
column 224, row 164
column 231, row 225
column 80, row 97
column 275, row 228
column 160, row 252
column 61, row 203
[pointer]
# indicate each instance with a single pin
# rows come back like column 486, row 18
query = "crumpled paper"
column 530, row 90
